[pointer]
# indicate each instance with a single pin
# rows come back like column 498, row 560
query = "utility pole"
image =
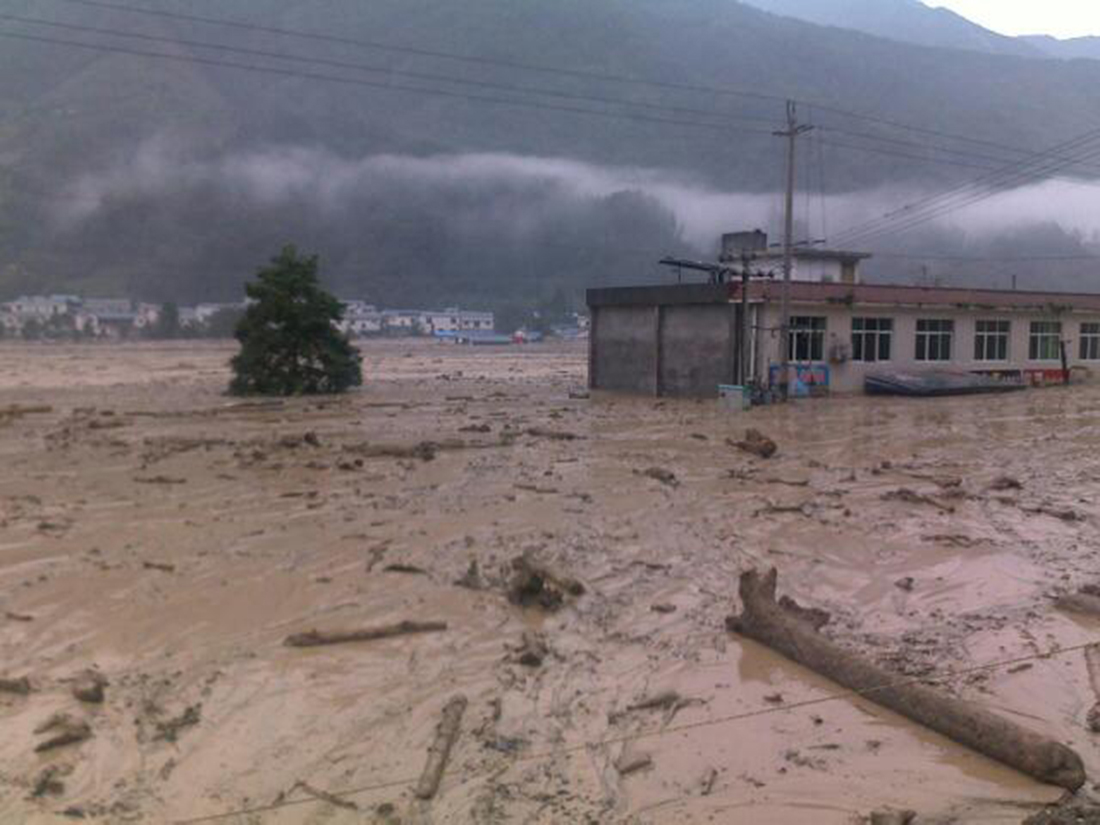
column 793, row 132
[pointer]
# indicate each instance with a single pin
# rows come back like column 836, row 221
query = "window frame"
column 880, row 336
column 943, row 334
column 812, row 334
column 1038, row 341
column 988, row 337
column 1090, row 341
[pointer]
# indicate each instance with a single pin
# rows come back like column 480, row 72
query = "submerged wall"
column 674, row 341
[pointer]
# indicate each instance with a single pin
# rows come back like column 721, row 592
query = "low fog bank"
column 494, row 228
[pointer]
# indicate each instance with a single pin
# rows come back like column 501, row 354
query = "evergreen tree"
column 168, row 324
column 289, row 341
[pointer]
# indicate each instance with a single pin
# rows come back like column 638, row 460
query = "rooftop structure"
column 688, row 339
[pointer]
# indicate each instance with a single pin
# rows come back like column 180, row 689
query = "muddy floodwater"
column 171, row 538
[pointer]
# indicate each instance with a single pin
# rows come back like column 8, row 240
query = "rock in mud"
column 532, row 651
column 90, row 686
column 666, row 477
column 758, row 444
column 1003, row 484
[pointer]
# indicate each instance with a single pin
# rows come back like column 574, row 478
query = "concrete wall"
column 849, row 376
column 696, row 350
column 678, row 350
column 623, row 349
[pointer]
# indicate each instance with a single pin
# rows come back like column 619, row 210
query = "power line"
column 994, row 182
column 343, row 64
column 653, row 733
column 480, row 84
column 946, row 208
column 391, row 87
column 999, row 173
column 892, row 153
column 532, row 67
column 420, row 52
column 990, row 258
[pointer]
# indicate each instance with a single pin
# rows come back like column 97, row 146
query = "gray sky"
column 1061, row 18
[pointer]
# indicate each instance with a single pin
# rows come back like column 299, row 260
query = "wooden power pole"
column 793, row 131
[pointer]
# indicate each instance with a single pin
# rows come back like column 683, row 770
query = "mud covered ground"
column 171, row 538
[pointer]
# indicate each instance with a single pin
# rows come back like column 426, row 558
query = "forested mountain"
column 1072, row 48
column 174, row 178
column 910, row 21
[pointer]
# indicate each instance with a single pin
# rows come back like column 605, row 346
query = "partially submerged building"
column 687, row 339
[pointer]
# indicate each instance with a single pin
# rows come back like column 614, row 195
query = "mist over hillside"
column 174, row 178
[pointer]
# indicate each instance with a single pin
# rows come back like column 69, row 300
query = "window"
column 934, row 339
column 991, row 340
column 1046, row 341
column 871, row 339
column 807, row 338
column 1090, row 342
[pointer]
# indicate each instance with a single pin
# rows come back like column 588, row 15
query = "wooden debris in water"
column 446, row 734
column 773, row 624
column 317, row 638
column 20, row 686
column 65, row 729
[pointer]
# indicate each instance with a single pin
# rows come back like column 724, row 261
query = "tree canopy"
column 290, row 344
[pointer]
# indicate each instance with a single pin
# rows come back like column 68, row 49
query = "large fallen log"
column 440, row 751
column 316, row 638
column 787, row 632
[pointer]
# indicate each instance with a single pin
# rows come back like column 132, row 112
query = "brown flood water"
column 155, row 529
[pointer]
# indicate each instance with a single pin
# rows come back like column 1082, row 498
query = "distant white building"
column 404, row 321
column 453, row 320
column 42, row 310
column 361, row 319
column 189, row 318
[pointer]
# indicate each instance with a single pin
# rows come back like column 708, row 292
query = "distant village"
column 75, row 317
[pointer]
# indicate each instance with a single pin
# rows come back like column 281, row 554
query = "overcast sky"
column 1061, row 18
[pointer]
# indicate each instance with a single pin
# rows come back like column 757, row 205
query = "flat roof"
column 902, row 295
column 852, row 294
column 809, row 254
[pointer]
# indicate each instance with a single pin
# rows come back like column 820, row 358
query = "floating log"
column 317, row 638
column 324, row 796
column 65, row 729
column 446, row 733
column 20, row 686
column 1079, row 603
column 774, row 625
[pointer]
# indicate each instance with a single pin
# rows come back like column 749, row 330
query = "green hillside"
column 159, row 144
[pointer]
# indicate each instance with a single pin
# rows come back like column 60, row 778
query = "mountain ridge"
column 74, row 119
